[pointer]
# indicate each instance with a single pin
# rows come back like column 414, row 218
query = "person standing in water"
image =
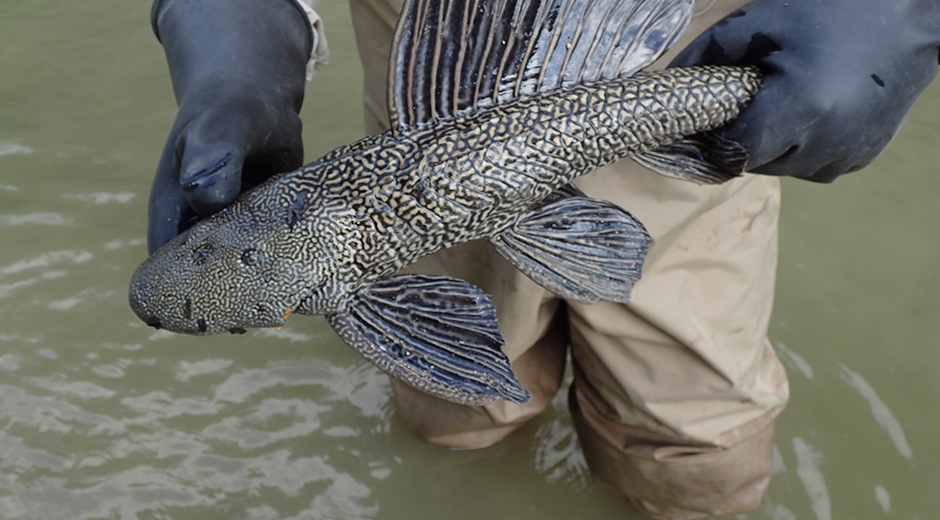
column 675, row 394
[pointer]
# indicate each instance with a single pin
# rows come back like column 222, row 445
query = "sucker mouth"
column 154, row 322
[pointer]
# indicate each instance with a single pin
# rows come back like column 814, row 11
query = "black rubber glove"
column 840, row 75
column 238, row 72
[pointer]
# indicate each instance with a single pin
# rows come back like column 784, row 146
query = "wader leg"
column 666, row 476
column 675, row 394
column 699, row 317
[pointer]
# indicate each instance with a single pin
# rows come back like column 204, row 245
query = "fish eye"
column 251, row 257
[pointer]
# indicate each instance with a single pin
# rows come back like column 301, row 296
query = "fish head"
column 232, row 271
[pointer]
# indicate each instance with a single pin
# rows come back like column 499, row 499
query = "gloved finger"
column 818, row 159
column 798, row 131
column 767, row 142
column 227, row 150
column 284, row 152
column 741, row 38
column 169, row 213
column 210, row 175
column 822, row 173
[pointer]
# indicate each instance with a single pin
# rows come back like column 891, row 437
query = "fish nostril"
column 154, row 322
column 188, row 309
column 201, row 323
column 237, row 330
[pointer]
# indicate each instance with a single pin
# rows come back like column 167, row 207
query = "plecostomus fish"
column 496, row 106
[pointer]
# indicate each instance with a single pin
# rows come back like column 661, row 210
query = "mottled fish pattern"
column 328, row 238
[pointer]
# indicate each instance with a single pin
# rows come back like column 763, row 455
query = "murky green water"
column 101, row 417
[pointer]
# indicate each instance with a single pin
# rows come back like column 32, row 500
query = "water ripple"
column 45, row 260
column 44, row 414
column 160, row 405
column 10, row 148
column 179, row 451
column 38, row 218
column 777, row 511
column 557, row 454
column 883, row 498
column 187, row 370
column 241, row 386
column 807, row 469
column 795, row 359
column 880, row 411
column 102, row 197
column 270, row 421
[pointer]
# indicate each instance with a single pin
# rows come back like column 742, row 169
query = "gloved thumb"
column 210, row 175
column 169, row 212
column 212, row 152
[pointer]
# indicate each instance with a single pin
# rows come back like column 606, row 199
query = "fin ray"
column 453, row 56
column 580, row 248
column 435, row 333
column 705, row 158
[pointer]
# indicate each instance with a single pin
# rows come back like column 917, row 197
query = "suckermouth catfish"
column 496, row 106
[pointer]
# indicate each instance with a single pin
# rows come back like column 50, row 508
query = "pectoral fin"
column 705, row 158
column 580, row 248
column 436, row 334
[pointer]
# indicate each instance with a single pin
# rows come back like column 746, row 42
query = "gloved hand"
column 840, row 75
column 238, row 72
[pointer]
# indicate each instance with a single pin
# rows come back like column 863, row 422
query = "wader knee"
column 666, row 477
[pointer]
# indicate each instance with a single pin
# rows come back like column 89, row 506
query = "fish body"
column 327, row 239
column 415, row 192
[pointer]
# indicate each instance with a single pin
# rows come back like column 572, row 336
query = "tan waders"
column 674, row 394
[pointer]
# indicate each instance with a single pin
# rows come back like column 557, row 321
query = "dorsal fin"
column 454, row 56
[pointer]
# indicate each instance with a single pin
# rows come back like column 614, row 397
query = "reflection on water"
column 117, row 432
column 557, row 456
column 807, row 470
column 102, row 417
column 44, row 219
column 880, row 411
column 8, row 148
column 797, row 361
column 884, row 499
